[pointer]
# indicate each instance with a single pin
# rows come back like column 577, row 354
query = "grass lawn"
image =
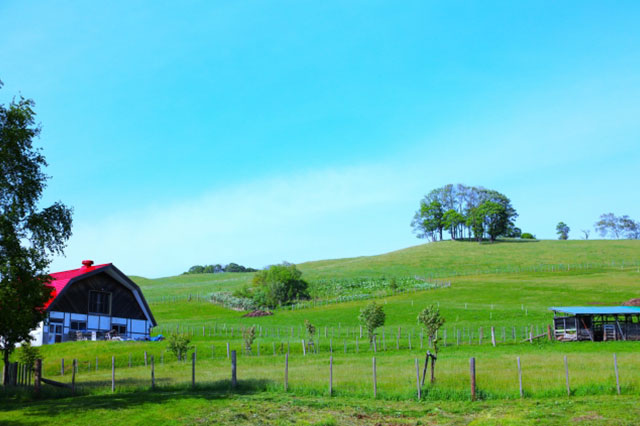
column 218, row 407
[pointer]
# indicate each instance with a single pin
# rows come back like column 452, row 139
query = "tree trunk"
column 433, row 363
column 5, row 378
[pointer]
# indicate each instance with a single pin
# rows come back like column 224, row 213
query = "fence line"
column 474, row 393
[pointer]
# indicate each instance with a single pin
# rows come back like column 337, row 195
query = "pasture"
column 507, row 287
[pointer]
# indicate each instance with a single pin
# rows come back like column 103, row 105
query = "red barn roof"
column 61, row 279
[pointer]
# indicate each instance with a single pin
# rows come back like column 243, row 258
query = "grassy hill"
column 507, row 285
column 441, row 260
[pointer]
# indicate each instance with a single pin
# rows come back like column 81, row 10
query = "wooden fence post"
column 472, row 371
column 193, row 369
column 418, row 379
column 286, row 371
column 304, row 349
column 227, row 350
column 375, row 380
column 145, row 358
column 520, row 378
column 113, row 374
column 493, row 336
column 234, row 379
column 153, row 373
column 330, row 374
column 62, row 367
column 38, row 376
column 73, row 376
column 615, row 366
column 566, row 369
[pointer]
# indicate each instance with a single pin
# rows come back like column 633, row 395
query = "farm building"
column 596, row 323
column 94, row 303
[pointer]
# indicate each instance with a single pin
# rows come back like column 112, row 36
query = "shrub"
column 371, row 317
column 311, row 331
column 178, row 344
column 527, row 236
column 249, row 336
column 28, row 355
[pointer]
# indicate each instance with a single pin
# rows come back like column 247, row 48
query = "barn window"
column 78, row 325
column 120, row 329
column 99, row 302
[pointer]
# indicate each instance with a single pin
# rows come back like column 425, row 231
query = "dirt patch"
column 632, row 302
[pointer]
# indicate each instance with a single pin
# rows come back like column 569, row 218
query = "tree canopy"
column 562, row 229
column 461, row 209
column 218, row 268
column 612, row 226
column 278, row 285
column 29, row 235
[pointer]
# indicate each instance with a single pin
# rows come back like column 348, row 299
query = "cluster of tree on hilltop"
column 217, row 269
column 465, row 212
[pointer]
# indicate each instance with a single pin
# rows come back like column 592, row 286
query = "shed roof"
column 597, row 310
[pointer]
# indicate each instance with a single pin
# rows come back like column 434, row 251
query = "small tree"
column 371, row 317
column 28, row 354
column 311, row 331
column 431, row 319
column 178, row 344
column 249, row 336
column 562, row 229
column 393, row 285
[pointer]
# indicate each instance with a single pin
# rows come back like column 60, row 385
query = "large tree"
column 29, row 236
column 562, row 229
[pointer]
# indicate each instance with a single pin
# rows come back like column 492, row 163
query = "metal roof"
column 597, row 310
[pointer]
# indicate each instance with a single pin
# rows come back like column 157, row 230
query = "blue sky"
column 256, row 132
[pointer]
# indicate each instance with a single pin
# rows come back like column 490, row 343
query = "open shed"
column 596, row 323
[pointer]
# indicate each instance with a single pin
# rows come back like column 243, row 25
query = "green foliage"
column 431, row 320
column 233, row 301
column 393, row 284
column 453, row 208
column 248, row 337
column 610, row 225
column 428, row 221
column 527, row 236
column 311, row 330
column 178, row 344
column 279, row 285
column 217, row 269
column 562, row 229
column 28, row 354
column 28, row 236
column 371, row 317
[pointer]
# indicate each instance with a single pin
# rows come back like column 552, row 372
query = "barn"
column 94, row 302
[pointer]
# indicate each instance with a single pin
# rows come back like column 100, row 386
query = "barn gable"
column 76, row 297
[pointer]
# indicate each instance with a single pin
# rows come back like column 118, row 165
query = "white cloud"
column 258, row 223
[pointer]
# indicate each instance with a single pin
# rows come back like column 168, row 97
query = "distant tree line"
column 613, row 226
column 217, row 269
column 465, row 212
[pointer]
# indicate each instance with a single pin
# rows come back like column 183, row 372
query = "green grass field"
column 508, row 286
